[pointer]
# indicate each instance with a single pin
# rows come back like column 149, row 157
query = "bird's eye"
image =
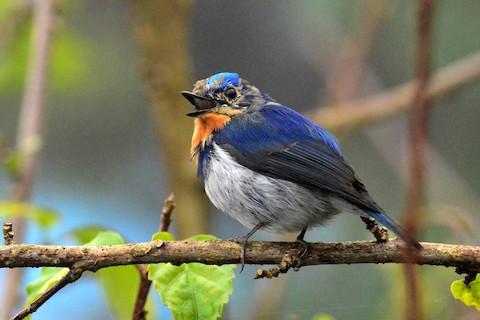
column 231, row 93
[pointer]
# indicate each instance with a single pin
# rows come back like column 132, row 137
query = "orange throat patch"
column 205, row 125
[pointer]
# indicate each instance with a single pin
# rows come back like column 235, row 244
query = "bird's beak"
column 201, row 104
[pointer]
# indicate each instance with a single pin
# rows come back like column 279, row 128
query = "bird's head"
column 224, row 93
column 216, row 100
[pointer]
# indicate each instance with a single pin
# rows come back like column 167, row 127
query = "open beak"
column 201, row 104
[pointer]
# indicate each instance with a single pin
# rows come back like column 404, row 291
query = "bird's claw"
column 242, row 242
column 305, row 245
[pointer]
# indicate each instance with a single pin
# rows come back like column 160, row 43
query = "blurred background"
column 108, row 155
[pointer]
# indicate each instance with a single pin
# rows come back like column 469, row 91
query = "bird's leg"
column 380, row 233
column 303, row 243
column 242, row 241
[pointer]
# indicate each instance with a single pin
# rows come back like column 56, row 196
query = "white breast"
column 253, row 198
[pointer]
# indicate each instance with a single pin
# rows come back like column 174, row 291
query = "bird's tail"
column 395, row 227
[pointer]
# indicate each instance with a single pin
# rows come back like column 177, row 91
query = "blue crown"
column 215, row 81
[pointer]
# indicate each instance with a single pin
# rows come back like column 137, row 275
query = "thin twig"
column 32, row 116
column 139, row 312
column 289, row 260
column 167, row 212
column 418, row 148
column 380, row 233
column 350, row 115
column 8, row 233
column 162, row 30
column 4, row 152
column 73, row 275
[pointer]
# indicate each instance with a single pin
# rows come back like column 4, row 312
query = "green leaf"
column 468, row 294
column 322, row 316
column 6, row 9
column 12, row 163
column 120, row 284
column 48, row 277
column 85, row 234
column 69, row 65
column 166, row 236
column 104, row 238
column 193, row 290
column 202, row 237
column 45, row 217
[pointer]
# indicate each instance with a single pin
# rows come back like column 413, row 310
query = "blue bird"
column 268, row 166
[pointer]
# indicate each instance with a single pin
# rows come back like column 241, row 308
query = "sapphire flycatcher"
column 268, row 166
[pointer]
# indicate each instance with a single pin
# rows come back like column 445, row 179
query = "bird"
column 268, row 166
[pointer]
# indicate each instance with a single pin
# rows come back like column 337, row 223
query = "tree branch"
column 73, row 275
column 161, row 31
column 139, row 312
column 32, row 116
column 350, row 115
column 227, row 252
column 418, row 150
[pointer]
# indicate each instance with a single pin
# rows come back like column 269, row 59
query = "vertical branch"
column 418, row 147
column 161, row 31
column 139, row 312
column 30, row 129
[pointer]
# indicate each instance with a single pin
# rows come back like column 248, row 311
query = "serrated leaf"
column 45, row 217
column 193, row 290
column 48, row 277
column 468, row 294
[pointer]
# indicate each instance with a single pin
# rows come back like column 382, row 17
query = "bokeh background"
column 103, row 164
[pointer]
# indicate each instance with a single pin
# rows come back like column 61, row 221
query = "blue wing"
column 279, row 142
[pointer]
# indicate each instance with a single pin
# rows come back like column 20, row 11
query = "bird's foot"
column 302, row 254
column 242, row 242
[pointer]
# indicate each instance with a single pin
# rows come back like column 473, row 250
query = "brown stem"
column 161, row 32
column 418, row 146
column 73, row 275
column 226, row 252
column 32, row 116
column 8, row 233
column 167, row 212
column 348, row 116
column 139, row 312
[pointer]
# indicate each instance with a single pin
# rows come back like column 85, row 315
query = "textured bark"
column 219, row 252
